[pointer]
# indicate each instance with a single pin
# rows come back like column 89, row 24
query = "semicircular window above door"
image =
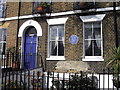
column 30, row 46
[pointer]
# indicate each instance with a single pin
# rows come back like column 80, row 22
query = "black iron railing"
column 38, row 80
column 21, row 60
column 13, row 77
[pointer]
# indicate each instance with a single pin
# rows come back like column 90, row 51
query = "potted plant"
column 37, row 82
column 114, row 62
column 44, row 7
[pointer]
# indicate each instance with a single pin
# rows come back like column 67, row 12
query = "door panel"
column 30, row 51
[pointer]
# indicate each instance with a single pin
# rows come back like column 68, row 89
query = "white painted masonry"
column 30, row 23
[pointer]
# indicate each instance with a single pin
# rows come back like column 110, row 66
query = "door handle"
column 30, row 54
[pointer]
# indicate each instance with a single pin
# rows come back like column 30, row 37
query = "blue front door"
column 30, row 51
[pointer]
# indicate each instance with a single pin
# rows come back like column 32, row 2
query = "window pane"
column 92, row 31
column 97, row 33
column 4, row 47
column 88, row 48
column 0, row 35
column 93, row 48
column 4, row 35
column 36, row 4
column 97, row 48
column 31, row 30
column 57, row 40
column 2, row 8
column 96, row 24
column 61, row 32
column 53, row 33
column 3, row 40
column 88, row 33
column 1, row 47
column 4, row 1
column 60, row 48
column 88, row 25
column 53, row 48
column 88, row 30
column 97, row 30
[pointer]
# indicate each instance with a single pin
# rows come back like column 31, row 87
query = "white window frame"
column 56, row 21
column 92, row 18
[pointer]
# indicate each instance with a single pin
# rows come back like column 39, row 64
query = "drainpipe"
column 115, row 23
column 18, row 24
column 19, row 8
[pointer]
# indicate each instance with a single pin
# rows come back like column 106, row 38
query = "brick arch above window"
column 30, row 23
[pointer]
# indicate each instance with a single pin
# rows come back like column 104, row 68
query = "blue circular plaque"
column 73, row 39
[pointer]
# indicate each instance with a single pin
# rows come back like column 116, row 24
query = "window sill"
column 93, row 58
column 56, row 58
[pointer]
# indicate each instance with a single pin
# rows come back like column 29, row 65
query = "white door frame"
column 21, row 34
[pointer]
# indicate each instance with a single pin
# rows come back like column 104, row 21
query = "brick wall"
column 74, row 26
column 62, row 6
column 26, row 8
column 74, row 52
column 12, row 9
column 12, row 34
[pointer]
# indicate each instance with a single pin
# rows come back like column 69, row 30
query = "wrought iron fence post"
column 63, row 81
column 42, row 81
column 103, row 79
column 81, row 76
column 53, row 82
column 118, row 78
column 113, row 77
column 58, row 81
column 69, row 82
column 48, row 80
column 108, row 77
column 28, row 79
column 0, row 69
